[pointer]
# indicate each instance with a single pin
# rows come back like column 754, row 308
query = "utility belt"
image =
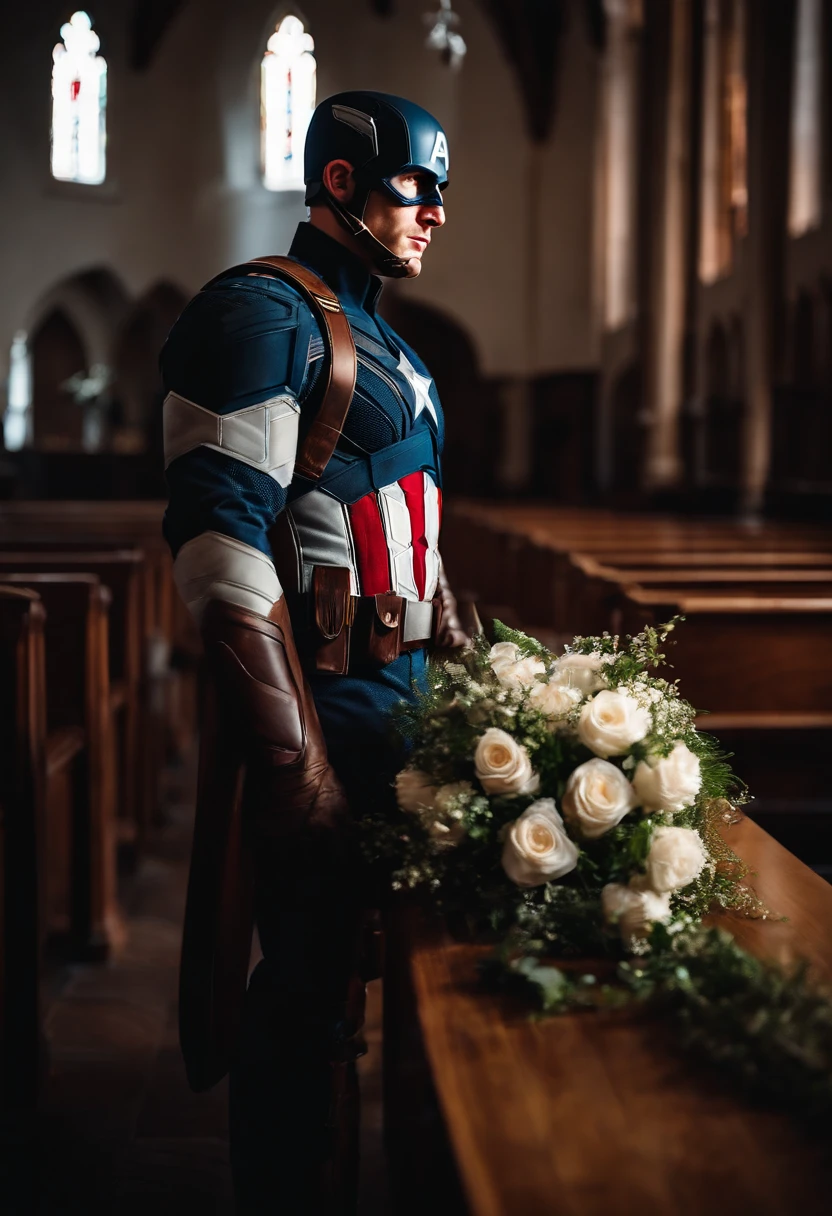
column 342, row 634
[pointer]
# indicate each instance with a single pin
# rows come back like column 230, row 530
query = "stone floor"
column 122, row 1132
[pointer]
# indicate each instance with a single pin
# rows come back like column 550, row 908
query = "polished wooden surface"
column 600, row 1113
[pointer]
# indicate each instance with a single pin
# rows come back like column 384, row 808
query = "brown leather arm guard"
column 291, row 787
column 264, row 777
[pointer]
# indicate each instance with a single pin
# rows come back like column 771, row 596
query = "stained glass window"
column 17, row 419
column 287, row 99
column 79, row 100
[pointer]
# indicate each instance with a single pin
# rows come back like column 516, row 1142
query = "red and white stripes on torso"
column 389, row 539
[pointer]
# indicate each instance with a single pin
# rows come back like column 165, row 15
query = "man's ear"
column 338, row 180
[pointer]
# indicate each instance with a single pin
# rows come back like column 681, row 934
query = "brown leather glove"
column 451, row 632
column 256, row 665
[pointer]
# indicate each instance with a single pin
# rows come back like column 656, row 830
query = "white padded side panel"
column 432, row 560
column 395, row 518
column 264, row 436
column 216, row 567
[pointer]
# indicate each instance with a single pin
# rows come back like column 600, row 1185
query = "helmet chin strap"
column 383, row 259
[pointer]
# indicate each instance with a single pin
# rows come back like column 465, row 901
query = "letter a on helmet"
column 381, row 136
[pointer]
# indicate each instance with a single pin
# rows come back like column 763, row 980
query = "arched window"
column 17, row 420
column 287, row 99
column 79, row 99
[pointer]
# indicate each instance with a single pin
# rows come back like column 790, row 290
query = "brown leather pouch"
column 333, row 611
column 383, row 645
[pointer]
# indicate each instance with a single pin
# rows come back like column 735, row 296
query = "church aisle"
column 122, row 1131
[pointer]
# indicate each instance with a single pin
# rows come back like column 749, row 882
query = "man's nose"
column 433, row 215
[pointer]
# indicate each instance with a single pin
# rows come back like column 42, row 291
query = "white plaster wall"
column 183, row 197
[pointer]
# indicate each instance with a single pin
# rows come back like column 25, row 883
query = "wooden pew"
column 744, row 654
column 596, row 588
column 22, row 819
column 106, row 525
column 79, row 874
column 594, row 1114
column 171, row 642
column 118, row 570
column 530, row 567
column 763, row 668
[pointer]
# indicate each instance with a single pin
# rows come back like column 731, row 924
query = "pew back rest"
column 743, row 653
column 75, row 635
column 117, row 570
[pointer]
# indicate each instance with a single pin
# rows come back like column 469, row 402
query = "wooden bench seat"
column 119, row 571
column 747, row 654
column 79, row 878
column 171, row 645
column 592, row 1114
column 594, row 589
column 506, row 561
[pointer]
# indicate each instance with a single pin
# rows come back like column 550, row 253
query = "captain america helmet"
column 381, row 136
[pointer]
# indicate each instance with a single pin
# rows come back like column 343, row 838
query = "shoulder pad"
column 242, row 341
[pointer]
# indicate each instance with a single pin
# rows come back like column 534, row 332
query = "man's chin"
column 414, row 268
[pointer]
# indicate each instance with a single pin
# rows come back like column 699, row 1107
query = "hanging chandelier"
column 443, row 36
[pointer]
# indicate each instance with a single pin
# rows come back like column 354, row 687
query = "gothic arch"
column 804, row 341
column 95, row 301
column 140, row 338
column 629, row 434
column 801, row 424
column 724, row 404
column 57, row 353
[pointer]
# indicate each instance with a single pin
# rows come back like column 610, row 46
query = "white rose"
column 536, row 847
column 581, row 671
column 669, row 783
column 633, row 909
column 503, row 652
column 414, row 791
column 511, row 668
column 611, row 723
column 597, row 797
column 676, row 857
column 503, row 766
column 553, row 699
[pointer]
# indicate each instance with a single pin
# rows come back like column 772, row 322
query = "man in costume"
column 303, row 441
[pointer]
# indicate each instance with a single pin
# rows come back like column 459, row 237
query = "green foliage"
column 527, row 646
column 768, row 1027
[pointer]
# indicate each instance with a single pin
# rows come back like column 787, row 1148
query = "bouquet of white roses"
column 569, row 803
column 563, row 799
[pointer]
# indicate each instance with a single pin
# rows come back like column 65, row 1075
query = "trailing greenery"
column 622, row 873
column 768, row 1027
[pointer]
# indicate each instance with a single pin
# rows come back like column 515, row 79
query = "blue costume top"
column 246, row 353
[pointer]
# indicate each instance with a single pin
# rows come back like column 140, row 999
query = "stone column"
column 620, row 160
column 668, row 280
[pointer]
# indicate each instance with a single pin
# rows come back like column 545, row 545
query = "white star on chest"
column 420, row 386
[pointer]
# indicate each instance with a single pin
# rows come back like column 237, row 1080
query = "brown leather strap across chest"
column 336, row 383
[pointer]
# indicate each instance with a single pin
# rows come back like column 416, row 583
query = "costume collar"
column 341, row 269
